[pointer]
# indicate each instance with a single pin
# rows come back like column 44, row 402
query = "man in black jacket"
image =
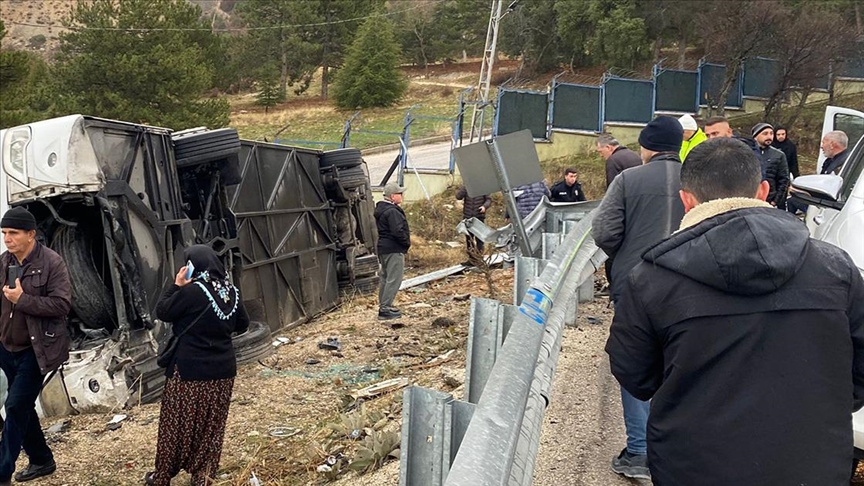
column 567, row 190
column 394, row 239
column 473, row 207
column 35, row 341
column 782, row 143
column 640, row 208
column 618, row 157
column 747, row 336
column 834, row 146
column 775, row 169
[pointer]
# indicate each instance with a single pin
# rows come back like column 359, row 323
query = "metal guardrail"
column 512, row 354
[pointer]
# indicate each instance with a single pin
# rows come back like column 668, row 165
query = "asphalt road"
column 432, row 156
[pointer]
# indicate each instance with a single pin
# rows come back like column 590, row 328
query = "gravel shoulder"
column 583, row 428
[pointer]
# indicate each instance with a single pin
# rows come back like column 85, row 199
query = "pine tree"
column 145, row 61
column 371, row 75
column 269, row 94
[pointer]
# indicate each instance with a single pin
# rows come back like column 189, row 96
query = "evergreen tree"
column 334, row 34
column 268, row 94
column 23, row 82
column 145, row 61
column 371, row 75
column 274, row 43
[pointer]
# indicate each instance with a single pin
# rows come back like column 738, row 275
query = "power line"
column 225, row 29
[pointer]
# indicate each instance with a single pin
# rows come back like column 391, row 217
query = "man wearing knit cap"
column 394, row 240
column 34, row 341
column 640, row 208
column 693, row 135
column 775, row 170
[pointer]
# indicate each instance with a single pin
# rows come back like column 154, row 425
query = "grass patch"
column 316, row 120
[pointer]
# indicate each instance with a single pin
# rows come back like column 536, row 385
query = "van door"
column 844, row 119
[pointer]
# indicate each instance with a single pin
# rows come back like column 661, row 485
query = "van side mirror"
column 821, row 190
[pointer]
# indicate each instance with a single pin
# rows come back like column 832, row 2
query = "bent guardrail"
column 512, row 353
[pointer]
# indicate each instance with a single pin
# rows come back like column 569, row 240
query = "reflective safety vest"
column 688, row 145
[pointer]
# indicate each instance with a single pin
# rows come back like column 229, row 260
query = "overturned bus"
column 121, row 201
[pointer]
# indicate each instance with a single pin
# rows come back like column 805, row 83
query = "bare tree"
column 805, row 53
column 734, row 31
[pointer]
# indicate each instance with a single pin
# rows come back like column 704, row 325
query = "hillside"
column 45, row 17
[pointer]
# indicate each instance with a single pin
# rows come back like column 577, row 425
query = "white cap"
column 688, row 123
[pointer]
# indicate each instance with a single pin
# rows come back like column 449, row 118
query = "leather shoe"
column 34, row 471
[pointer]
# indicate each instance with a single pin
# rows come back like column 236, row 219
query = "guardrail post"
column 527, row 269
column 489, row 322
column 433, row 425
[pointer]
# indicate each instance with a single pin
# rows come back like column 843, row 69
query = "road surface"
column 432, row 156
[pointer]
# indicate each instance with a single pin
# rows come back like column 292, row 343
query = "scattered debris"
column 312, row 361
column 279, row 341
column 396, row 325
column 454, row 244
column 593, row 320
column 283, row 431
column 59, row 427
column 443, row 322
column 420, row 305
column 115, row 424
column 437, row 360
column 385, row 386
column 452, row 377
column 332, row 344
column 461, row 297
column 253, row 481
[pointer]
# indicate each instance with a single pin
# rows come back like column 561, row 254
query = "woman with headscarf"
column 200, row 376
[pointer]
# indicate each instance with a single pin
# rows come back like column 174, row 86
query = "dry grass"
column 283, row 391
column 312, row 119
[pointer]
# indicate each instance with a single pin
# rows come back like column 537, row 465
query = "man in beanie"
column 747, row 334
column 34, row 339
column 394, row 239
column 693, row 135
column 640, row 208
column 775, row 170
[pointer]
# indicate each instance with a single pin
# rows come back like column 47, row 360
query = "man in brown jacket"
column 473, row 207
column 34, row 340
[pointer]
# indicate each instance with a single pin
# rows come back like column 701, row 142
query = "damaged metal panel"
column 285, row 231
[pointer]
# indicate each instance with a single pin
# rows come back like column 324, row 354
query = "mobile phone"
column 11, row 276
column 190, row 269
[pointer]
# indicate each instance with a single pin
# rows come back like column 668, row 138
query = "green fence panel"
column 711, row 82
column 677, row 91
column 576, row 107
column 761, row 77
column 852, row 68
column 628, row 100
column 518, row 110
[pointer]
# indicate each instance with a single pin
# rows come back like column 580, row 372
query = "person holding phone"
column 34, row 340
column 204, row 309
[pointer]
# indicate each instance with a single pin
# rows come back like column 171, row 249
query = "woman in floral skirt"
column 200, row 376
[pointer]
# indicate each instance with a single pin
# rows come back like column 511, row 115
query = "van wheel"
column 343, row 158
column 254, row 344
column 91, row 299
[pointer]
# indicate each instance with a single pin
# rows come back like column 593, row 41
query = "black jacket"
column 561, row 192
column 834, row 164
column 471, row 206
column 748, row 337
column 620, row 160
column 205, row 351
column 640, row 208
column 393, row 233
column 775, row 170
column 791, row 152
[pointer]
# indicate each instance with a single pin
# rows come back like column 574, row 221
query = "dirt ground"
column 283, row 409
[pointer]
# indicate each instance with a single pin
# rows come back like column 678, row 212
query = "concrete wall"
column 435, row 182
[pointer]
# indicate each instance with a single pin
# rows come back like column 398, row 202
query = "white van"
column 836, row 212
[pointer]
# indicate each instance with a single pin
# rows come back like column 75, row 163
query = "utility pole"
column 489, row 54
